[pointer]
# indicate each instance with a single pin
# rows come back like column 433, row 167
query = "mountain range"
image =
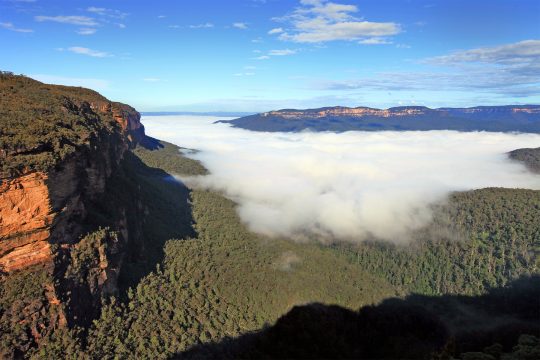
column 509, row 118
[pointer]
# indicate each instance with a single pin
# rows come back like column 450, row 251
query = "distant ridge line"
column 505, row 118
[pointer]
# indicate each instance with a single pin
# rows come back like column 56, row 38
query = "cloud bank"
column 349, row 186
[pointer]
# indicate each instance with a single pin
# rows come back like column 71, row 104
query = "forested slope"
column 226, row 281
column 530, row 157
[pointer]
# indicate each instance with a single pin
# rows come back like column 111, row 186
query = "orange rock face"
column 25, row 219
column 343, row 111
column 35, row 208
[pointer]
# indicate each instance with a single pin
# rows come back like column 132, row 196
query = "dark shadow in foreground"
column 417, row 327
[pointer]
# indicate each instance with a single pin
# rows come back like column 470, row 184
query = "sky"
column 260, row 55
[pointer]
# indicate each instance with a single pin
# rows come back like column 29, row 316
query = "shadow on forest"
column 150, row 143
column 156, row 208
column 165, row 214
column 415, row 327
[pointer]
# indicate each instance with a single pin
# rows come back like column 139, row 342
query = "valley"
column 155, row 269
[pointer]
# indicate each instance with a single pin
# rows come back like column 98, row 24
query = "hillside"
column 530, row 157
column 105, row 255
column 522, row 118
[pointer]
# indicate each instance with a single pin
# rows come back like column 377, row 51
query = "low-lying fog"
column 346, row 185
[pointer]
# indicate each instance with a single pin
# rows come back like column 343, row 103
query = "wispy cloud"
column 202, row 26
column 275, row 31
column 151, row 79
column 11, row 27
column 275, row 52
column 282, row 52
column 71, row 19
column 86, row 31
column 244, row 74
column 115, row 14
column 521, row 52
column 375, row 41
column 240, row 25
column 317, row 21
column 88, row 52
column 509, row 70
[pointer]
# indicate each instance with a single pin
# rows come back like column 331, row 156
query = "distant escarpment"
column 61, row 151
column 522, row 118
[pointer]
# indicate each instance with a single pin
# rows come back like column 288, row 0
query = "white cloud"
column 374, row 41
column 86, row 31
column 72, row 19
column 89, row 52
column 202, row 26
column 323, row 21
column 151, row 79
column 262, row 57
column 275, row 31
column 122, row 26
column 282, row 52
column 346, row 186
column 161, row 16
column 11, row 27
column 240, row 25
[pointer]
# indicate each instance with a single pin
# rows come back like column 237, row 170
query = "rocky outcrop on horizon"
column 523, row 118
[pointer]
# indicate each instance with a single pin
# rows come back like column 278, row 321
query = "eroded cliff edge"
column 60, row 149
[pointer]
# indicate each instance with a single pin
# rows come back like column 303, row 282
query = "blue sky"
column 258, row 55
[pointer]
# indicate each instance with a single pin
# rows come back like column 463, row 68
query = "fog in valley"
column 351, row 185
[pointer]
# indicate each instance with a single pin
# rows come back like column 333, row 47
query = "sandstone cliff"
column 59, row 148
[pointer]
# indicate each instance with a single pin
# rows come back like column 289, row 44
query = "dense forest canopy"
column 33, row 134
column 530, row 157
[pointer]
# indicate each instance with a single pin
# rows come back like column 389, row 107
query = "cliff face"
column 49, row 187
column 38, row 209
column 25, row 219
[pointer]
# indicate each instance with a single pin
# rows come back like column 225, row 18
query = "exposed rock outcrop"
column 50, row 185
